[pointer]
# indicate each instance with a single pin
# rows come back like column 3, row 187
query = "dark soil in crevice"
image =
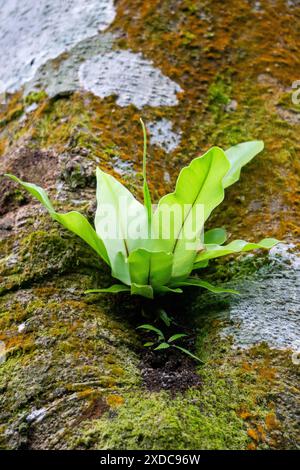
column 168, row 370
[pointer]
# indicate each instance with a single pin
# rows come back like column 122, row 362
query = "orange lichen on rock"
column 257, row 434
column 271, row 422
column 114, row 401
column 244, row 414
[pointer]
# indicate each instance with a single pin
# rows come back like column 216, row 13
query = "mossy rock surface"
column 74, row 368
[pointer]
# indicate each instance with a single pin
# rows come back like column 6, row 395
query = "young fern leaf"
column 149, row 327
column 114, row 289
column 147, row 196
column 162, row 346
column 192, row 281
column 188, row 353
column 176, row 337
column 143, row 290
column 216, row 236
column 198, row 185
column 73, row 221
column 237, row 246
column 168, row 290
column 150, row 268
column 114, row 201
column 239, row 155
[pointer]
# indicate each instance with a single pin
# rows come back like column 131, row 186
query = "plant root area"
column 169, row 370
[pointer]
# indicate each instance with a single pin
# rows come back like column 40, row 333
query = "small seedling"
column 162, row 343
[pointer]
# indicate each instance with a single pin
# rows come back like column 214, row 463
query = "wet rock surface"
column 32, row 33
column 75, row 374
column 268, row 308
column 162, row 134
column 129, row 76
column 60, row 76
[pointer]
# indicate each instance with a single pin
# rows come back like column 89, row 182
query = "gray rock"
column 129, row 76
column 33, row 32
column 36, row 415
column 268, row 309
column 162, row 134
